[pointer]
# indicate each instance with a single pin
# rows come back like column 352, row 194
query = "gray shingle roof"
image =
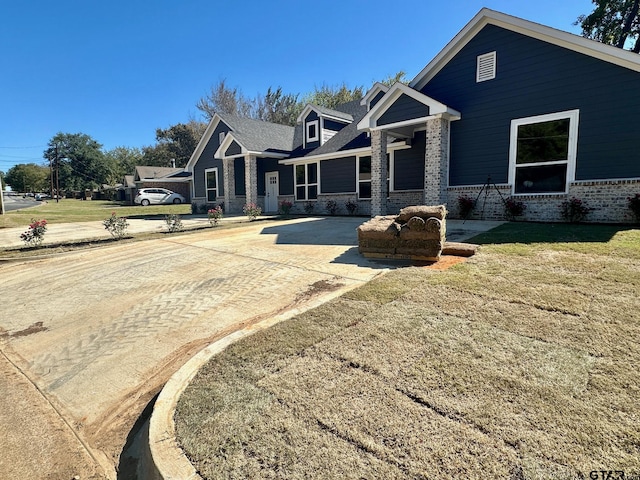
column 143, row 172
column 259, row 136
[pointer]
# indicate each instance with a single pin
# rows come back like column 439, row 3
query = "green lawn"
column 522, row 362
column 71, row 210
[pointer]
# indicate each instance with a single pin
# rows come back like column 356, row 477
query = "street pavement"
column 89, row 337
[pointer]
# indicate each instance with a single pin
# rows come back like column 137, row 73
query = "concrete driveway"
column 96, row 333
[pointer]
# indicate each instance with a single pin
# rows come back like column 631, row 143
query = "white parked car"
column 149, row 196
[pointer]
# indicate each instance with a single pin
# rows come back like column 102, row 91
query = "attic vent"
column 486, row 69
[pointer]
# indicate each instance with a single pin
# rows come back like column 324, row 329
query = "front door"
column 271, row 200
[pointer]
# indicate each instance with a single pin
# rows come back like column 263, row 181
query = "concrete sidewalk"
column 457, row 230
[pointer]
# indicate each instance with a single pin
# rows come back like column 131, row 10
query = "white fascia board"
column 608, row 53
column 165, row 180
column 373, row 91
column 206, row 136
column 398, row 89
column 342, row 154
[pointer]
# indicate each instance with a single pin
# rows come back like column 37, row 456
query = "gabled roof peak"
column 547, row 34
column 325, row 112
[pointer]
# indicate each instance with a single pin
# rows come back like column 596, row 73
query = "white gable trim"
column 373, row 91
column 312, row 108
column 206, row 136
column 579, row 44
column 369, row 121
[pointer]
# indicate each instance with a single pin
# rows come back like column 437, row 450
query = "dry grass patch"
column 523, row 362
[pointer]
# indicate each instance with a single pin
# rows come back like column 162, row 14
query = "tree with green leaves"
column 79, row 160
column 122, row 161
column 278, row 107
column 174, row 143
column 224, row 99
column 28, row 177
column 614, row 22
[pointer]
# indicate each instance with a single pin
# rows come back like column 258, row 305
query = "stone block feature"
column 418, row 232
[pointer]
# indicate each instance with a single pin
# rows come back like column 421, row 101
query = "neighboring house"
column 174, row 179
column 523, row 109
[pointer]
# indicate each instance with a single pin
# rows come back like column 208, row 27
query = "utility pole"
column 57, row 177
column 1, row 197
column 51, row 168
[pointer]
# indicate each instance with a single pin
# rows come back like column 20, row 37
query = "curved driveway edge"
column 166, row 459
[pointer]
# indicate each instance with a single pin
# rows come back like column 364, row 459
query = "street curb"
column 165, row 457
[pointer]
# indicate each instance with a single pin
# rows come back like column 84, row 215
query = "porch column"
column 436, row 161
column 251, row 178
column 229, row 175
column 378, row 173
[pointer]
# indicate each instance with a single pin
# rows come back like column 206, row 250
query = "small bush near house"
column 351, row 206
column 465, row 205
column 574, row 210
column 332, row 207
column 194, row 208
column 309, row 207
column 634, row 206
column 214, row 215
column 174, row 223
column 284, row 207
column 251, row 210
column 513, row 208
column 116, row 226
column 35, row 235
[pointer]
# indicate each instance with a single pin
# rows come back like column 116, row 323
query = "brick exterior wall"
column 378, row 172
column 606, row 198
column 251, row 178
column 229, row 180
column 436, row 161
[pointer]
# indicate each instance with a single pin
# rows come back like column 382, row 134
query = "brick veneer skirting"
column 606, row 198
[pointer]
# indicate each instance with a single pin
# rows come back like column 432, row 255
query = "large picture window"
column 543, row 153
column 211, row 183
column 306, row 181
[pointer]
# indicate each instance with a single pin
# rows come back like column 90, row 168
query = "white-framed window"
column 220, row 138
column 542, row 153
column 306, row 181
column 363, row 166
column 486, row 67
column 313, row 131
column 211, row 183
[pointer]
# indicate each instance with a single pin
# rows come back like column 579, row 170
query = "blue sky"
column 117, row 70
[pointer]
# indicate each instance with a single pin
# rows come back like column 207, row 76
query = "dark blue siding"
column 206, row 161
column 536, row 78
column 310, row 118
column 233, row 149
column 339, row 175
column 238, row 170
column 376, row 99
column 334, row 126
column 408, row 168
column 285, row 176
column 404, row 108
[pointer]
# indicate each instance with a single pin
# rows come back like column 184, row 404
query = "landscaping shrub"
column 251, row 210
column 332, row 207
column 309, row 207
column 351, row 206
column 634, row 206
column 116, row 226
column 574, row 210
column 513, row 208
column 35, row 235
column 465, row 205
column 284, row 207
column 174, row 223
column 214, row 215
